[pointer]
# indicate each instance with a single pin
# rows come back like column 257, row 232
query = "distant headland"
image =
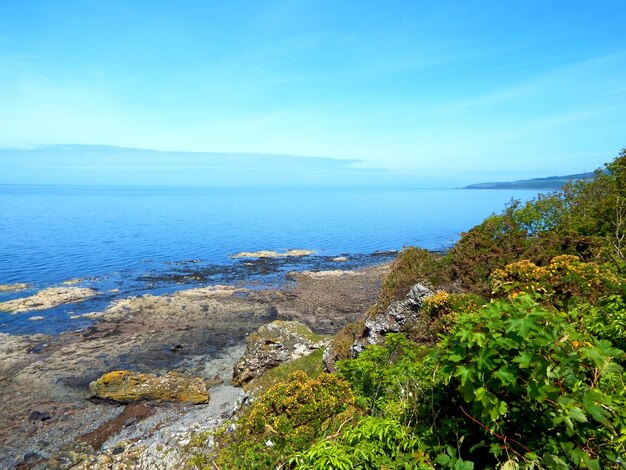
column 551, row 182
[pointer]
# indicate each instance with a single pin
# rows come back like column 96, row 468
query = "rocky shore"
column 51, row 418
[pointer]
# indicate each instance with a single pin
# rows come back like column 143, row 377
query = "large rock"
column 48, row 298
column 399, row 316
column 124, row 386
column 271, row 345
column 394, row 319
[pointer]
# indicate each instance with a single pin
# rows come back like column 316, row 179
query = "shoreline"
column 198, row 331
column 98, row 292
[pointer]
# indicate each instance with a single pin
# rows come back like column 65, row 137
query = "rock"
column 372, row 328
column 271, row 345
column 32, row 457
column 13, row 287
column 36, row 415
column 272, row 254
column 399, row 313
column 48, row 298
column 124, row 386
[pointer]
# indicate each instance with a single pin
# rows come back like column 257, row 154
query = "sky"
column 431, row 90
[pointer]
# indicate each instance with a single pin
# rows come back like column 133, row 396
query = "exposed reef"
column 48, row 298
column 13, row 287
column 272, row 254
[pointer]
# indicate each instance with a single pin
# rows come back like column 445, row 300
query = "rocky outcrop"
column 124, row 386
column 398, row 314
column 397, row 317
column 48, row 298
column 273, row 344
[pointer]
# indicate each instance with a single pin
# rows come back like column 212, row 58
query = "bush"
column 563, row 279
column 373, row 443
column 387, row 374
column 535, row 387
column 287, row 419
column 607, row 320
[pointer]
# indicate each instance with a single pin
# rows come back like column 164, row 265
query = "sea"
column 126, row 241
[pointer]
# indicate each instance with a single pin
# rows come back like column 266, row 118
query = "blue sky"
column 470, row 91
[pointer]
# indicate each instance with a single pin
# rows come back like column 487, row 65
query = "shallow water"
column 158, row 240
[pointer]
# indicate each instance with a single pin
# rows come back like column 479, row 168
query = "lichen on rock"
column 125, row 386
column 273, row 344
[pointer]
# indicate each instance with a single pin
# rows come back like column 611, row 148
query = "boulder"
column 124, row 386
column 272, row 344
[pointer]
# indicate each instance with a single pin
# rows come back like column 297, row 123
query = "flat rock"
column 272, row 344
column 48, row 298
column 13, row 287
column 272, row 254
column 124, row 386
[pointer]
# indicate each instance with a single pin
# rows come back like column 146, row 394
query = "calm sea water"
column 156, row 240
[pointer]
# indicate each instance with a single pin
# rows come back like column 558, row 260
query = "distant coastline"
column 551, row 182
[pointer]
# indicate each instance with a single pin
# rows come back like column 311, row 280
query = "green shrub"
column 342, row 342
column 285, row 420
column 536, row 388
column 373, row 443
column 388, row 374
column 607, row 320
column 564, row 278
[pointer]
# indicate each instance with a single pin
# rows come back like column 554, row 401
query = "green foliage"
column 564, row 278
column 444, row 308
column 607, row 320
column 373, row 443
column 285, row 420
column 388, row 374
column 585, row 219
column 491, row 245
column 540, row 215
column 535, row 386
